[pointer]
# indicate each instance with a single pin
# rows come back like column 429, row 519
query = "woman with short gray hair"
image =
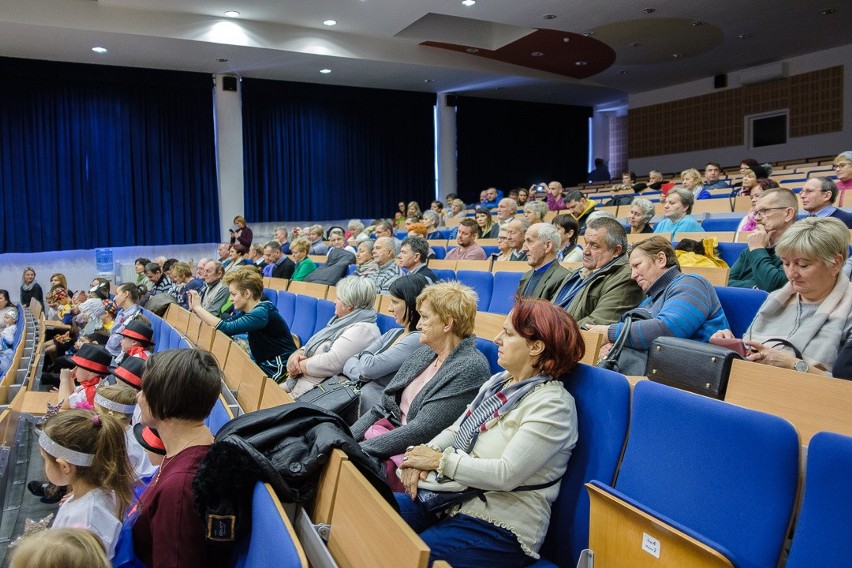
column 677, row 209
column 639, row 218
column 350, row 331
column 535, row 211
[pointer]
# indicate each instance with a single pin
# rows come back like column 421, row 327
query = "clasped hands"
column 417, row 462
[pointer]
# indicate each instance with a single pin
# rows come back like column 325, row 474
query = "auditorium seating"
column 740, row 306
column 505, row 288
column 272, row 541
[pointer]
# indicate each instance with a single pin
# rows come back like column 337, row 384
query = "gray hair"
column 686, row 197
column 336, row 231
column 598, row 214
column 522, row 221
column 818, row 238
column 616, row 236
column 511, row 203
column 548, row 232
column 392, row 244
column 646, row 206
column 356, row 292
column 418, row 245
column 316, row 230
column 356, row 226
column 846, row 155
column 367, row 243
column 538, row 208
column 429, row 214
column 825, row 184
column 272, row 245
column 282, row 229
column 13, row 312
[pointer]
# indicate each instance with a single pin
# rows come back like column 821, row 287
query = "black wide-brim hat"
column 130, row 372
column 149, row 439
column 138, row 330
column 93, row 358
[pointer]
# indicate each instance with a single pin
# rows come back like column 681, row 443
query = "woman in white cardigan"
column 513, row 442
column 350, row 331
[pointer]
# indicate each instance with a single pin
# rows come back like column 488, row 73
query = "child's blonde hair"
column 11, row 313
column 117, row 400
column 60, row 548
column 100, row 438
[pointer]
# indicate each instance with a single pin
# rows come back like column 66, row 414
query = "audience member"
column 541, row 243
column 655, row 180
column 600, row 173
column 214, row 295
column 30, row 289
column 676, row 210
column 712, row 173
column 503, row 246
column 579, row 206
column 314, row 236
column 487, row 229
column 222, row 251
column 277, row 265
column 457, row 209
column 466, row 239
column 432, row 221
column 334, row 268
column 161, row 283
column 181, row 276
column 126, row 296
column 364, row 262
column 139, row 265
column 299, row 248
column 602, row 289
column 412, row 257
column 385, row 229
column 255, row 254
column 413, row 210
column 60, row 548
column 506, row 210
column 843, row 172
column 523, row 196
column 240, row 233
column 534, row 211
column 491, row 198
column 515, row 237
column 279, row 235
column 569, row 231
column 818, row 197
column 639, row 218
column 384, row 254
column 554, row 196
column 692, row 181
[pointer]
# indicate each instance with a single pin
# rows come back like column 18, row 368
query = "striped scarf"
column 494, row 400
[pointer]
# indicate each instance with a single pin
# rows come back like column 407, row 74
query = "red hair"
column 539, row 320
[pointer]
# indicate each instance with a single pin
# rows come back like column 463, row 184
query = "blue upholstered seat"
column 271, row 542
column 482, row 282
column 505, row 288
column 740, row 306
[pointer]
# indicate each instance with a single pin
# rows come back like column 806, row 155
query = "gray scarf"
column 336, row 326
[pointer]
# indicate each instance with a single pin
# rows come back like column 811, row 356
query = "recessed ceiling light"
column 622, row 72
column 549, row 16
column 428, row 81
column 99, row 49
column 580, row 63
column 696, row 23
column 649, row 10
column 325, row 71
column 566, row 39
column 635, row 44
column 588, row 34
column 828, row 12
column 677, row 55
column 468, row 3
column 537, row 53
column 743, row 36
column 222, row 60
column 330, row 23
column 232, row 13
column 471, row 50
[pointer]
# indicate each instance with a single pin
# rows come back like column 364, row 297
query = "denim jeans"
column 461, row 540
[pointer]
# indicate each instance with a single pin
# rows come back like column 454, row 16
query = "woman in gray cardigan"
column 437, row 381
column 377, row 365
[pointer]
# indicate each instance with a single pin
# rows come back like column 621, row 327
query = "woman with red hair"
column 512, row 443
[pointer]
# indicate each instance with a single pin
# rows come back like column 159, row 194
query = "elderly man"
column 277, row 265
column 515, row 232
column 385, row 229
column 412, row 257
column 384, row 253
column 315, row 238
column 506, row 210
column 655, row 179
column 280, row 236
column 602, row 290
column 712, row 171
column 818, row 196
column 541, row 242
column 580, row 207
column 215, row 293
column 222, row 251
column 554, row 196
column 466, row 239
column 758, row 266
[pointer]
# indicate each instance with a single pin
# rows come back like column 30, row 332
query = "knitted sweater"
column 440, row 401
column 758, row 268
column 682, row 305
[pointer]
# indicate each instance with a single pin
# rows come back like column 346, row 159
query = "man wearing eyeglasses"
column 758, row 266
column 818, row 196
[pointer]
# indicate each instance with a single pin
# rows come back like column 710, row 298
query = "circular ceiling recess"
column 659, row 39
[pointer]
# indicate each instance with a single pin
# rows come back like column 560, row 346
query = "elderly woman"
column 487, row 228
column 299, row 250
column 676, row 210
column 177, row 409
column 535, row 211
column 639, row 218
column 457, row 209
column 435, row 383
column 30, row 289
column 240, row 233
column 364, row 259
column 804, row 324
column 504, row 246
column 693, row 181
column 569, row 230
column 379, row 362
column 431, row 219
column 843, row 171
column 350, row 331
column 513, row 442
column 269, row 338
column 681, row 305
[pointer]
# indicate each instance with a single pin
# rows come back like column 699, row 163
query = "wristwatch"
column 801, row 366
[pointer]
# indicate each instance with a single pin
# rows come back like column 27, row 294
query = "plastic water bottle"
column 103, row 260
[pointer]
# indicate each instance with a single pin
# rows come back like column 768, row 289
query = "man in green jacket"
column 602, row 290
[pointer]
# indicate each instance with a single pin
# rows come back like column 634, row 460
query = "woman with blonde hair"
column 240, row 233
column 693, row 181
column 299, row 250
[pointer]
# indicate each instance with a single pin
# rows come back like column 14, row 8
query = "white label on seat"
column 650, row 545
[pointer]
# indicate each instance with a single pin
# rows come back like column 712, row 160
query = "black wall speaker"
column 229, row 83
column 720, row 81
column 452, row 100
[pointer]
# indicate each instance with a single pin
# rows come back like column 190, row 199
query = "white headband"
column 101, row 400
column 71, row 456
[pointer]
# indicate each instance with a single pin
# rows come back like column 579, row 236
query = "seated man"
column 162, row 284
column 277, row 265
column 655, row 180
column 280, row 236
column 600, row 173
column 554, row 196
column 580, row 207
column 506, row 210
column 515, row 232
column 712, row 172
column 412, row 257
column 492, row 198
column 215, row 294
column 385, row 229
column 758, row 266
column 602, row 290
column 819, row 194
column 466, row 239
column 384, row 253
column 541, row 242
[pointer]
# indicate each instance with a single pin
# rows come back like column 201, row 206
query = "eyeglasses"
column 501, row 238
column 762, row 212
column 841, row 165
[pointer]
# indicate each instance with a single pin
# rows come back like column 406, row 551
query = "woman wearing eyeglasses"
column 843, row 171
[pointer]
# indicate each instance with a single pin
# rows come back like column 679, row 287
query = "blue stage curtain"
column 94, row 156
column 507, row 144
column 320, row 152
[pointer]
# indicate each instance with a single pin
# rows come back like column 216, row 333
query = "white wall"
column 823, row 144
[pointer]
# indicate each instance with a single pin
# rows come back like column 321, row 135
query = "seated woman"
column 681, row 305
column 487, row 228
column 436, row 382
column 431, row 220
column 677, row 209
column 514, row 442
column 181, row 276
column 535, row 211
column 379, row 362
column 364, row 262
column 299, row 250
column 350, row 331
column 237, row 257
column 693, row 181
column 167, row 530
column 504, row 246
column 811, row 313
column 523, row 197
column 269, row 338
column 457, row 209
column 569, row 229
column 639, row 218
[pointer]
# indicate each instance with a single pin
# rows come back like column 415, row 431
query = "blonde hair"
column 102, row 436
column 451, row 300
column 181, row 269
column 300, row 243
column 120, row 393
column 61, row 548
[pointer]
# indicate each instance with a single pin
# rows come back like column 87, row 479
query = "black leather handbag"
column 338, row 395
column 623, row 359
column 698, row 367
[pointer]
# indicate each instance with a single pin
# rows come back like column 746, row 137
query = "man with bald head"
column 385, row 252
column 506, row 210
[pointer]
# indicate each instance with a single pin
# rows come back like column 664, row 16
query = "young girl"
column 87, row 452
column 119, row 401
column 60, row 548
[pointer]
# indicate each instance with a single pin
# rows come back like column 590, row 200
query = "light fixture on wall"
column 325, row 71
column 330, row 23
column 99, row 49
column 232, row 13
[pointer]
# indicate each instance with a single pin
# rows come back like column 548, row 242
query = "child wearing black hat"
column 92, row 365
column 137, row 338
